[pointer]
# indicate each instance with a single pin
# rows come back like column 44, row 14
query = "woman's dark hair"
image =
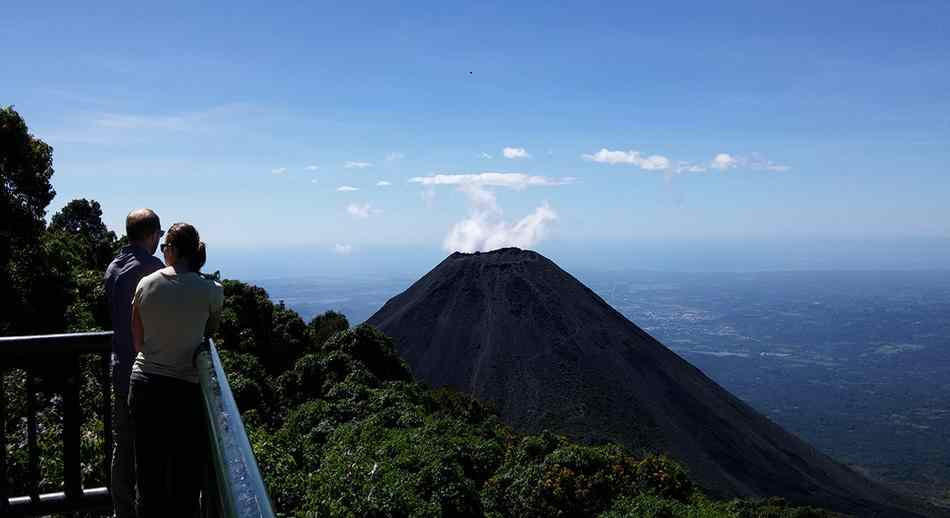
column 188, row 245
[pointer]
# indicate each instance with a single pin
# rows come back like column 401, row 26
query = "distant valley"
column 855, row 363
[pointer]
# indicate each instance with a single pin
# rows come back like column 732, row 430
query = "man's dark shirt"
column 122, row 276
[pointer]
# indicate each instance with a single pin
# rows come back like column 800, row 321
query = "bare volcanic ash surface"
column 511, row 327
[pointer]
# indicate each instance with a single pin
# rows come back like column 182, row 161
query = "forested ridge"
column 335, row 418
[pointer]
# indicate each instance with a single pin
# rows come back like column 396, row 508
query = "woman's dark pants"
column 170, row 445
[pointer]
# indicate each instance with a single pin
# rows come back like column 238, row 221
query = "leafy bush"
column 546, row 475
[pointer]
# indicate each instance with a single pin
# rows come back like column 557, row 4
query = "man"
column 144, row 231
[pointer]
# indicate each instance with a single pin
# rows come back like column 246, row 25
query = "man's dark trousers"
column 123, row 459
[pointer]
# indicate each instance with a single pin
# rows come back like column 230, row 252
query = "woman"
column 172, row 311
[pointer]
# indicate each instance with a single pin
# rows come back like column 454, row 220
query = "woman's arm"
column 214, row 309
column 138, row 330
column 214, row 319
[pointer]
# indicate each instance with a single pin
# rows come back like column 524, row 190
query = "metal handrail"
column 241, row 491
column 238, row 489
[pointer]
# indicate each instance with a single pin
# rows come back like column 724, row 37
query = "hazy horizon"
column 255, row 263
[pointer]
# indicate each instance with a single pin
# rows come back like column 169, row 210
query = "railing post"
column 32, row 451
column 107, row 417
column 4, row 483
column 72, row 468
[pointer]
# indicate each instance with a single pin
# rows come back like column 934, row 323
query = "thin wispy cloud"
column 515, row 153
column 359, row 211
column 394, row 156
column 383, row 183
column 191, row 121
column 648, row 163
column 279, row 171
column 723, row 161
column 107, row 128
column 342, row 249
column 347, row 188
column 312, row 168
column 484, row 156
column 351, row 164
column 720, row 162
column 509, row 180
column 753, row 161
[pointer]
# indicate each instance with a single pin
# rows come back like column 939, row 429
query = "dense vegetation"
column 338, row 424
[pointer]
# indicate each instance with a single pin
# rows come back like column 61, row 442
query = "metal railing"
column 53, row 362
column 235, row 488
column 239, row 489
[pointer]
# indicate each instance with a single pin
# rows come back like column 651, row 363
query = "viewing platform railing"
column 234, row 489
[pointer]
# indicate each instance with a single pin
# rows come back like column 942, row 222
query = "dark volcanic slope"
column 510, row 326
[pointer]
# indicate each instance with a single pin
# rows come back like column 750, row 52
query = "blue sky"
column 739, row 122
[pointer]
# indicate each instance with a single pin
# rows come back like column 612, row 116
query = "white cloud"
column 485, row 227
column 314, row 181
column 485, row 156
column 754, row 161
column 359, row 211
column 392, row 157
column 383, row 183
column 515, row 152
column 350, row 164
column 347, row 188
column 509, row 180
column 342, row 249
column 724, row 161
column 647, row 163
column 279, row 170
column 720, row 162
column 686, row 167
column 312, row 167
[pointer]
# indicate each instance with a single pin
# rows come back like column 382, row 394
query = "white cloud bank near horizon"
column 485, row 228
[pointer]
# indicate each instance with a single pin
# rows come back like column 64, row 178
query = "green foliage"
column 251, row 385
column 653, row 506
column 326, row 325
column 350, row 433
column 81, row 220
column 26, row 166
column 251, row 323
column 546, row 475
column 661, row 476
